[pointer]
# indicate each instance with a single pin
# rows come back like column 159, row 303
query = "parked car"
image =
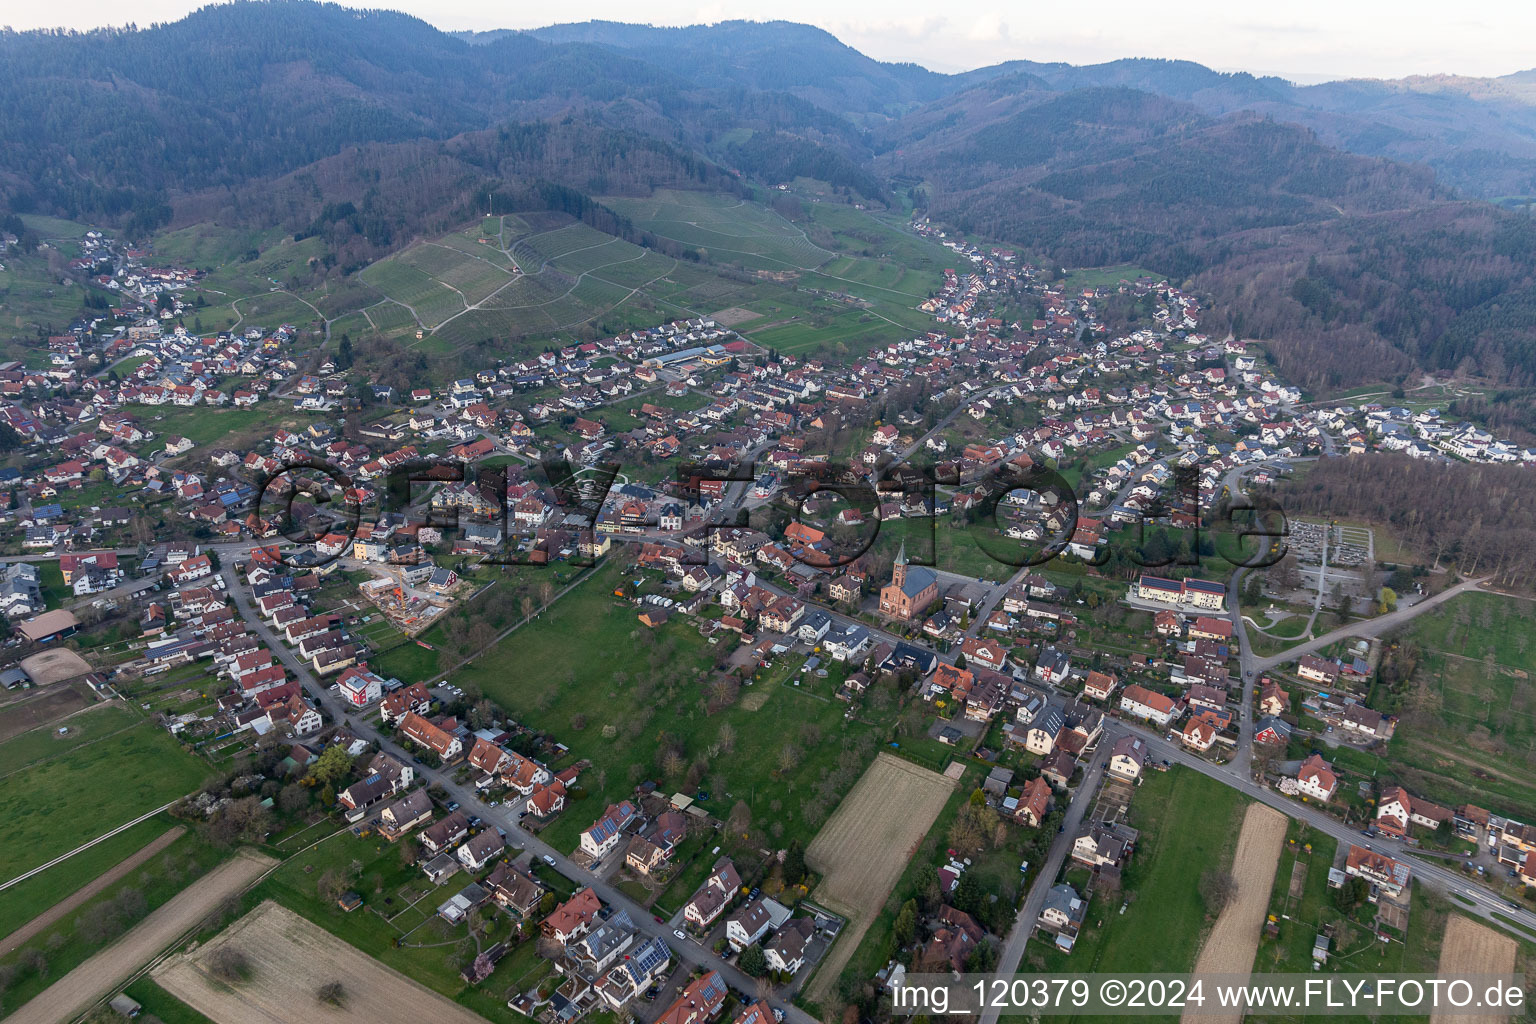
column 680, row 934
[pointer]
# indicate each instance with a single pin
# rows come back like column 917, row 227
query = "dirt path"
column 290, row 958
column 14, row 940
column 1231, row 946
column 72, row 994
column 1471, row 948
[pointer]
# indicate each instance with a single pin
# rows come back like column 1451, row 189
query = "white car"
column 680, row 934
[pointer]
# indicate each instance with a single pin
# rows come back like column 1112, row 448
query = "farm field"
column 1234, row 939
column 106, row 970
column 1467, row 719
column 70, row 922
column 1472, row 948
column 862, row 851
column 637, row 703
column 56, row 804
column 290, row 958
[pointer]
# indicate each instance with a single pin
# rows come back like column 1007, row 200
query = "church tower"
column 899, row 568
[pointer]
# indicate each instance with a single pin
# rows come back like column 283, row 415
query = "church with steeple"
column 912, row 589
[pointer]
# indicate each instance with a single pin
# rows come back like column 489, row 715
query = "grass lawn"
column 623, row 696
column 1467, row 726
column 1094, row 277
column 1187, row 822
column 51, row 579
column 44, row 743
column 427, row 952
column 205, row 424
column 1299, row 918
column 1355, row 947
column 54, row 805
column 408, row 661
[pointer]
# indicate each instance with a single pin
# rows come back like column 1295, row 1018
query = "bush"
column 332, row 993
column 753, row 961
column 1216, row 890
column 229, row 965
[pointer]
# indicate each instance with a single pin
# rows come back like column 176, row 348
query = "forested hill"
column 1267, row 195
column 1353, row 265
column 104, row 121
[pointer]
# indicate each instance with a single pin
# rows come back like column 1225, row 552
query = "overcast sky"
column 1302, row 39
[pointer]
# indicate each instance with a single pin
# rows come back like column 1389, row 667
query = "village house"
column 444, row 834
column 1103, row 845
column 748, row 924
column 514, row 890
column 786, row 952
column 641, row 967
column 1062, row 914
column 1036, row 800
column 573, row 918
column 405, row 814
column 1384, row 873
column 359, row 687
column 714, row 895
column 1143, row 703
column 1127, row 758
column 1099, row 685
column 481, row 849
column 606, row 833
column 652, row 847
column 436, row 738
column 700, row 1001
column 1272, row 699
column 1396, row 811
column 1316, row 779
column 1272, row 730
column 413, row 699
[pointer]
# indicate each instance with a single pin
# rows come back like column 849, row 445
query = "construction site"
column 410, row 608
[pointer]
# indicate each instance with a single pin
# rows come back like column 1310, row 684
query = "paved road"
column 1237, row 773
column 686, row 952
column 1368, row 628
column 1024, row 922
column 1429, row 871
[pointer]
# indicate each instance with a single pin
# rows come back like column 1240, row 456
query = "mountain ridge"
column 1340, row 228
